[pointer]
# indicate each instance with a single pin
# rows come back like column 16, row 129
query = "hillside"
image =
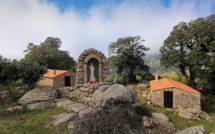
column 153, row 61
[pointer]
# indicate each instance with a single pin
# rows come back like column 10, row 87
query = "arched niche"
column 95, row 63
column 87, row 57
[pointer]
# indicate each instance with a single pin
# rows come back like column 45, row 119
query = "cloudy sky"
column 83, row 24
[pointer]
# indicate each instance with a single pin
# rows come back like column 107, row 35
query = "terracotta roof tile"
column 167, row 83
column 53, row 73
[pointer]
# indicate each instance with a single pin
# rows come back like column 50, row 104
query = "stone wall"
column 81, row 73
column 45, row 82
column 60, row 82
column 84, row 94
column 182, row 99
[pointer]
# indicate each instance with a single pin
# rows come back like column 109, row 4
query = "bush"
column 121, row 119
column 208, row 99
column 122, row 80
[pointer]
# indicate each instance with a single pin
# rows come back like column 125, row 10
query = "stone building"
column 172, row 94
column 57, row 78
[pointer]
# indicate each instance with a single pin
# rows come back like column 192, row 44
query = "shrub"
column 208, row 99
column 122, row 80
column 121, row 119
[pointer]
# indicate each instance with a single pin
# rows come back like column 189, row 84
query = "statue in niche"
column 92, row 70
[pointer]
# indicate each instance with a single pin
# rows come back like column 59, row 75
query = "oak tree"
column 48, row 54
column 130, row 52
column 190, row 47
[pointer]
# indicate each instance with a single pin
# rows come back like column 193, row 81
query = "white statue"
column 92, row 69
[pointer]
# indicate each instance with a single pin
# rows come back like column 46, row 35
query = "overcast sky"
column 83, row 24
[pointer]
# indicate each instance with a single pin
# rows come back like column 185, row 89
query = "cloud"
column 24, row 21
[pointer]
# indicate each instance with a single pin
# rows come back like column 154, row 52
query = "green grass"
column 31, row 122
column 179, row 122
column 182, row 123
column 175, row 75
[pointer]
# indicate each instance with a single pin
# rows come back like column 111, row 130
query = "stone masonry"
column 182, row 99
column 81, row 73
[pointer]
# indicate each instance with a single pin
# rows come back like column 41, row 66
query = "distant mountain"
column 153, row 61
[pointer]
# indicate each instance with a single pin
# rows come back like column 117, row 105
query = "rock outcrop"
column 61, row 118
column 192, row 113
column 39, row 98
column 117, row 93
column 158, row 118
column 5, row 96
column 193, row 130
column 38, row 94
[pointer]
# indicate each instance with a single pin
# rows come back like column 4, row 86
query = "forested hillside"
column 153, row 61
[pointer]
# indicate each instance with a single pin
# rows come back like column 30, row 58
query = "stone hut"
column 87, row 59
column 172, row 94
column 57, row 78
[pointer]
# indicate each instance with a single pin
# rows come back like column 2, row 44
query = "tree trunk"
column 113, row 74
column 192, row 77
column 184, row 74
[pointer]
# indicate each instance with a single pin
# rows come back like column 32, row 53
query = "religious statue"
column 92, row 70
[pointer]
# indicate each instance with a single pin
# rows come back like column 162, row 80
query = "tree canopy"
column 48, row 54
column 28, row 72
column 130, row 52
column 112, row 60
column 190, row 47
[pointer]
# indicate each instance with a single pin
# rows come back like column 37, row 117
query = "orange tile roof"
column 51, row 73
column 168, row 83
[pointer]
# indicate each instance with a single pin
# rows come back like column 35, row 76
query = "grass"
column 182, row 123
column 179, row 122
column 31, row 122
column 175, row 75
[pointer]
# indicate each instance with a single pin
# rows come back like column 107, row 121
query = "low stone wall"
column 181, row 99
column 84, row 94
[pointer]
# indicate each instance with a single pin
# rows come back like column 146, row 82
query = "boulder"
column 192, row 113
column 63, row 103
column 116, row 92
column 40, row 105
column 141, row 87
column 5, row 95
column 193, row 130
column 71, row 125
column 76, row 107
column 204, row 115
column 84, row 89
column 14, row 108
column 147, row 122
column 185, row 114
column 145, row 93
column 61, row 118
column 39, row 94
column 167, row 127
column 75, row 94
column 63, row 92
column 134, row 93
column 158, row 118
column 86, row 111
